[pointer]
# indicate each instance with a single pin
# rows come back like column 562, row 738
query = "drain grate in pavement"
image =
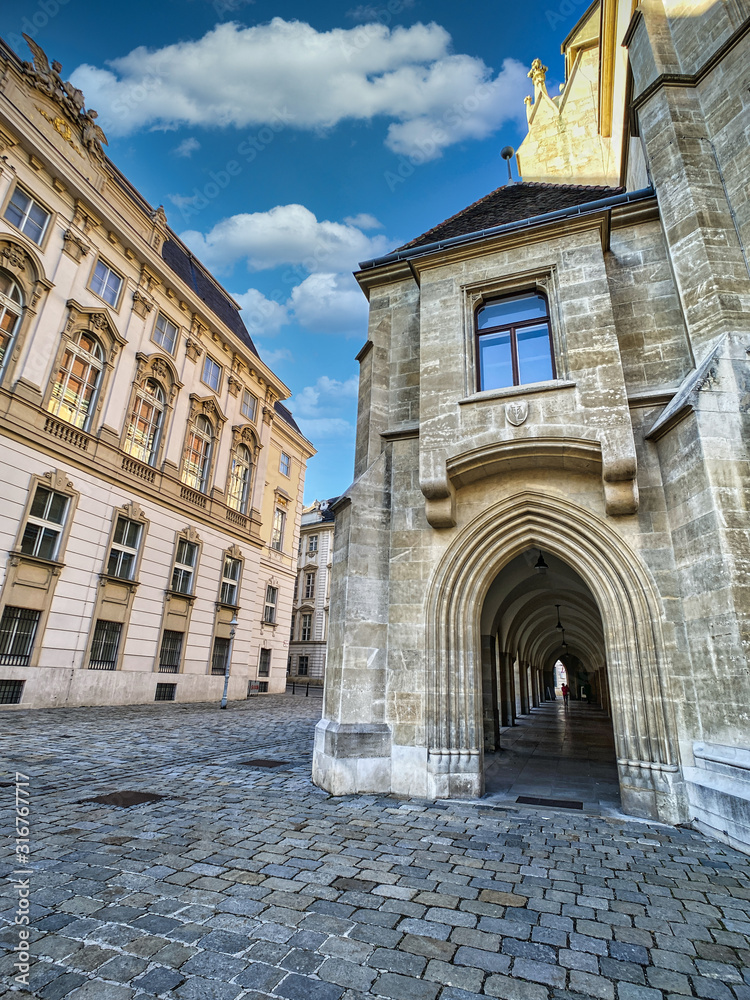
column 529, row 800
column 125, row 799
column 262, row 762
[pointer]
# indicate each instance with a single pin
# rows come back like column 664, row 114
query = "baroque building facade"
column 557, row 379
column 309, row 629
column 152, row 477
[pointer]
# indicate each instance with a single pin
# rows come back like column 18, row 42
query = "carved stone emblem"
column 14, row 256
column 516, row 412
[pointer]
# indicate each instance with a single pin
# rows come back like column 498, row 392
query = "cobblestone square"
column 246, row 882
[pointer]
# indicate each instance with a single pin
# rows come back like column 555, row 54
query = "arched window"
column 144, row 422
column 197, row 461
column 77, row 382
column 514, row 346
column 239, row 479
column 11, row 307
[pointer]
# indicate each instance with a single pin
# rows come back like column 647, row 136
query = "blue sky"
column 289, row 141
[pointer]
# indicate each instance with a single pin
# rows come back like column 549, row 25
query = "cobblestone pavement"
column 248, row 882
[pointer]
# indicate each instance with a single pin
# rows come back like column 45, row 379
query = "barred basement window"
column 220, row 657
column 104, row 645
column 263, row 687
column 165, row 692
column 17, row 630
column 264, row 664
column 10, row 692
column 170, row 652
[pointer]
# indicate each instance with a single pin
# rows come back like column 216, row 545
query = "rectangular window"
column 104, row 645
column 514, row 346
column 165, row 333
column 220, row 657
column 184, row 567
column 27, row 215
column 211, row 374
column 296, row 588
column 309, row 586
column 306, row 630
column 312, row 544
column 291, row 628
column 10, row 692
column 230, row 580
column 264, row 664
column 165, row 692
column 249, row 405
column 302, row 666
column 106, row 283
column 269, row 612
column 263, row 687
column 170, row 652
column 277, row 537
column 285, row 464
column 41, row 536
column 17, row 630
column 124, row 552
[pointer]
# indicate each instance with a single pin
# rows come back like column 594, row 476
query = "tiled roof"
column 186, row 267
column 512, row 203
column 286, row 415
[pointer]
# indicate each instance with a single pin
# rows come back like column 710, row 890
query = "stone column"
column 490, row 713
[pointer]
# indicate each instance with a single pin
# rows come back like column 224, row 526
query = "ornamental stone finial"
column 538, row 75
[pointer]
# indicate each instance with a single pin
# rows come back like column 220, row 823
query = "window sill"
column 179, row 593
column 124, row 581
column 516, row 390
column 16, row 556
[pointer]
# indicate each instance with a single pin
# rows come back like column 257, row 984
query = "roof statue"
column 47, row 79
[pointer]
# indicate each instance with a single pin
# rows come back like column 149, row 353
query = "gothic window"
column 238, row 491
column 197, row 461
column 77, row 381
column 11, row 306
column 145, row 422
column 514, row 345
column 27, row 215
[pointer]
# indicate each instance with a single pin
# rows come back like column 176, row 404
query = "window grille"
column 165, row 692
column 220, row 658
column 17, row 631
column 11, row 692
column 170, row 652
column 104, row 645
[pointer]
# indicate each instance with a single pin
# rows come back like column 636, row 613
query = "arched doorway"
column 541, row 628
column 630, row 614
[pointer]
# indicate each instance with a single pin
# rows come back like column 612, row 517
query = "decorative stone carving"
column 142, row 304
column 234, row 385
column 59, row 480
column 191, row 535
column 133, row 511
column 517, row 411
column 14, row 257
column 538, row 75
column 234, row 552
column 74, row 246
column 83, row 219
column 193, row 349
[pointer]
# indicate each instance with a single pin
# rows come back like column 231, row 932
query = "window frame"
column 270, row 604
column 309, row 589
column 223, row 643
column 56, row 399
column 306, row 627
column 278, row 529
column 303, row 668
column 161, row 668
column 220, row 374
column 124, row 550
column 59, row 527
column 141, row 398
column 18, row 186
column 117, row 644
column 312, row 544
column 112, row 270
column 8, row 307
column 512, row 329
column 264, row 662
column 228, row 582
column 183, row 566
column 285, row 464
column 207, row 454
column 160, row 343
column 239, row 499
column 8, row 658
column 245, row 395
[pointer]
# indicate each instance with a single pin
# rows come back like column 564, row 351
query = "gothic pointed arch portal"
column 650, row 779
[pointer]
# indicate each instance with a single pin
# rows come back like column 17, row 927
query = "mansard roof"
column 512, row 203
column 286, row 415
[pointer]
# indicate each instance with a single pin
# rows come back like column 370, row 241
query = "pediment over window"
column 96, row 319
column 160, row 367
column 207, row 406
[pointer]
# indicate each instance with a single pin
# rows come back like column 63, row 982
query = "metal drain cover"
column 261, row 762
column 125, row 799
column 529, row 800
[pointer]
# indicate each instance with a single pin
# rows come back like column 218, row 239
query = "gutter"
column 587, row 208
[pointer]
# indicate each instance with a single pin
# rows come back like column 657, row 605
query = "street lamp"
column 540, row 565
column 232, row 626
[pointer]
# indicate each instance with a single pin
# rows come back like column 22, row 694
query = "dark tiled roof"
column 286, row 415
column 326, row 514
column 512, row 203
column 186, row 267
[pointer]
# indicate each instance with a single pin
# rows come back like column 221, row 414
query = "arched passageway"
column 541, row 628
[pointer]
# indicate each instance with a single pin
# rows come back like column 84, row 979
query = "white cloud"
column 330, row 303
column 318, row 408
column 274, row 356
column 287, row 234
column 187, row 147
column 285, row 73
column 363, row 221
column 262, row 316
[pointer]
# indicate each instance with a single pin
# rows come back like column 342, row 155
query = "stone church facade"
column 152, row 477
column 557, row 379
